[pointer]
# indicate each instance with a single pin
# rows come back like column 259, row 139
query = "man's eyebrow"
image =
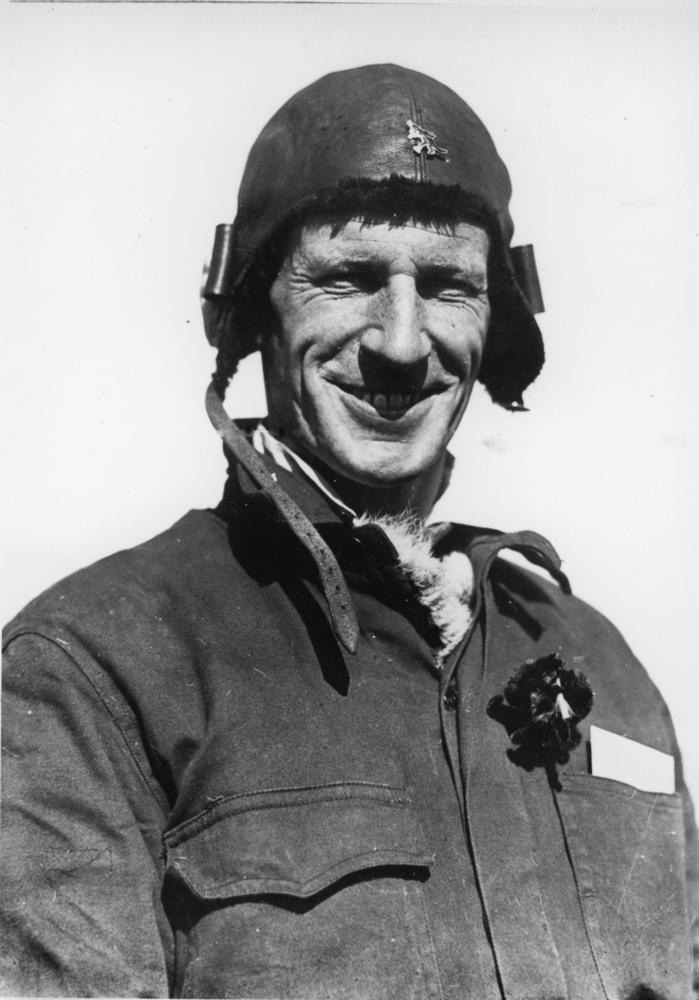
column 361, row 261
column 467, row 272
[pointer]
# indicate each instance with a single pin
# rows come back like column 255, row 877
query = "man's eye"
column 348, row 281
column 450, row 290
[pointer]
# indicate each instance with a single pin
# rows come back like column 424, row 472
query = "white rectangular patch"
column 622, row 759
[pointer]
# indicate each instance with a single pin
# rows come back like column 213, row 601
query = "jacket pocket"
column 303, row 892
column 628, row 854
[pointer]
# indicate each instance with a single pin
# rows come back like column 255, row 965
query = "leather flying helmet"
column 376, row 124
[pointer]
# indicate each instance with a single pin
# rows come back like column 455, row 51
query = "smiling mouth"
column 390, row 405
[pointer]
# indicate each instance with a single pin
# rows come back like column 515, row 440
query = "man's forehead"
column 460, row 242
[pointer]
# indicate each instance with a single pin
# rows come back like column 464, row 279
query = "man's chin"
column 382, row 471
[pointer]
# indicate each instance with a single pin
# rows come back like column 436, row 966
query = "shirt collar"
column 266, row 444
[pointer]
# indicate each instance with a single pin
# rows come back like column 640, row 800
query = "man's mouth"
column 391, row 405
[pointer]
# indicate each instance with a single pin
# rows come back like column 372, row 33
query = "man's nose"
column 396, row 334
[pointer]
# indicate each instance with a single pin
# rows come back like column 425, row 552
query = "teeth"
column 386, row 401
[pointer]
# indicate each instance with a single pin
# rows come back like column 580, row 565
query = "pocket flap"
column 294, row 841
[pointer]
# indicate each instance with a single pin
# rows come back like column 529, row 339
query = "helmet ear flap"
column 514, row 348
column 527, row 277
column 227, row 324
column 231, row 323
column 216, row 284
column 216, row 314
column 232, row 345
column 231, row 329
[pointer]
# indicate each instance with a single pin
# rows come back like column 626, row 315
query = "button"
column 450, row 698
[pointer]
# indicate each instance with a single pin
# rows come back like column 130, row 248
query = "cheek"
column 477, row 332
column 476, row 347
column 290, row 359
column 463, row 341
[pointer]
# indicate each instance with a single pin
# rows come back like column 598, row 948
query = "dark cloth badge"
column 540, row 709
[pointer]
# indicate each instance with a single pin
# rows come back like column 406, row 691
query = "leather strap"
column 337, row 595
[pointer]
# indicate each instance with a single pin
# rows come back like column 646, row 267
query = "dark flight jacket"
column 206, row 796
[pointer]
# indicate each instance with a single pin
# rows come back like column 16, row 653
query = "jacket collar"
column 258, row 482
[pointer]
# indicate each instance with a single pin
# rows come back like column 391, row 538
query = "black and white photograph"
column 350, row 500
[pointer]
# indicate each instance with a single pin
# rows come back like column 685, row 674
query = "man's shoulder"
column 146, row 578
column 516, row 584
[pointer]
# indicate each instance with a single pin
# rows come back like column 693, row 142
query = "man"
column 310, row 744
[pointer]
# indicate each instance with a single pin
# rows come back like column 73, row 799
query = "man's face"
column 379, row 339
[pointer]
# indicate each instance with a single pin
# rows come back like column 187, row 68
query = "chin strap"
column 340, row 604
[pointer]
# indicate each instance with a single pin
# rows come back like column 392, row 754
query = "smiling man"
column 310, row 744
column 379, row 341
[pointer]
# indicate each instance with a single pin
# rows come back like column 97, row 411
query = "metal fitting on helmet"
column 367, row 127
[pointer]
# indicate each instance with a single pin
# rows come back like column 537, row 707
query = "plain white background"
column 128, row 126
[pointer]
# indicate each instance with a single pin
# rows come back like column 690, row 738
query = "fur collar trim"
column 443, row 586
